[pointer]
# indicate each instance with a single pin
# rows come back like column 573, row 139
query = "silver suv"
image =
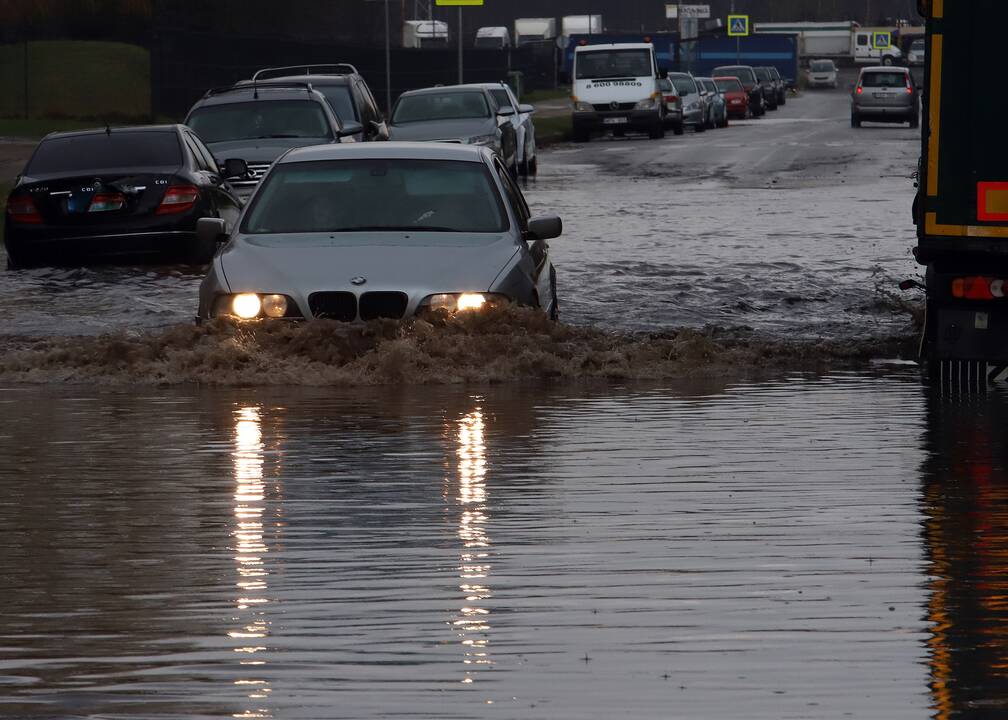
column 885, row 94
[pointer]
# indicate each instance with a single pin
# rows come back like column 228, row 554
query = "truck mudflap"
column 956, row 377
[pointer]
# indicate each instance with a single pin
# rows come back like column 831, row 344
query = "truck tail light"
column 21, row 209
column 178, row 199
column 978, row 288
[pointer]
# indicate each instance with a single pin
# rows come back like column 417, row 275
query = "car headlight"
column 250, row 306
column 483, row 139
column 462, row 302
column 645, row 104
column 583, row 107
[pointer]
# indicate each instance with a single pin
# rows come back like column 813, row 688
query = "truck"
column 425, row 34
column 493, row 38
column 843, row 41
column 528, row 30
column 581, row 24
column 961, row 206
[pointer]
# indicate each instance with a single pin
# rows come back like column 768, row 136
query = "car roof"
column 115, row 131
column 445, row 88
column 389, row 151
column 266, row 92
column 315, row 79
column 733, row 67
column 614, row 46
column 885, row 68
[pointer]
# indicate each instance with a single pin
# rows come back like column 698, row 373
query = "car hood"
column 417, row 264
column 260, row 151
column 443, row 129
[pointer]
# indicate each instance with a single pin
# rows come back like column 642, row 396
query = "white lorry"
column 616, row 87
column 493, row 38
column 845, row 40
column 425, row 34
column 534, row 30
column 581, row 25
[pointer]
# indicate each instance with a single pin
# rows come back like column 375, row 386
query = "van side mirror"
column 236, row 168
column 211, row 230
column 545, row 227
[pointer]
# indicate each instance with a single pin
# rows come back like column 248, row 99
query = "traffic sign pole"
column 460, row 43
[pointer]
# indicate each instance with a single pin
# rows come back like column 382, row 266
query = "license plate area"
column 615, row 121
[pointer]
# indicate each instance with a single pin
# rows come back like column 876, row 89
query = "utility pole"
column 388, row 64
column 460, row 43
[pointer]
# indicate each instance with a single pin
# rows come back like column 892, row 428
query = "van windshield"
column 602, row 64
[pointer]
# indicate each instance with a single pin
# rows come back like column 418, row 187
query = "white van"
column 616, row 88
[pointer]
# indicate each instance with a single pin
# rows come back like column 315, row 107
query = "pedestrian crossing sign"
column 738, row 25
column 881, row 40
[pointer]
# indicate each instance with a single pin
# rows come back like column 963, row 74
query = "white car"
column 822, row 73
column 528, row 165
column 916, row 54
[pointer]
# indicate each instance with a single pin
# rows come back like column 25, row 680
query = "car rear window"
column 377, row 195
column 744, row 74
column 78, row 153
column 726, row 86
column 260, row 119
column 884, row 80
column 441, row 106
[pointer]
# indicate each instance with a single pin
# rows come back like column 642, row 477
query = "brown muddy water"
column 811, row 546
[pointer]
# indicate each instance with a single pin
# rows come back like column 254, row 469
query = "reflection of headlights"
column 645, row 104
column 458, row 302
column 248, row 306
column 483, row 139
column 583, row 107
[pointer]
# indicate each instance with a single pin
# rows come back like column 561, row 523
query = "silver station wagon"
column 885, row 94
column 381, row 230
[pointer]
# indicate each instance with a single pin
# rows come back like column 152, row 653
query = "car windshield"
column 377, row 195
column 338, row 97
column 260, row 119
column 884, row 80
column 82, row 153
column 744, row 74
column 502, row 98
column 441, row 106
column 727, row 86
column 685, row 85
column 763, row 74
column 822, row 66
column 601, row 64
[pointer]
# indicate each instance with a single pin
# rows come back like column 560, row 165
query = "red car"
column 736, row 98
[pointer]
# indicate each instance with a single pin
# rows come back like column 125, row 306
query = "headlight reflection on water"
column 250, row 551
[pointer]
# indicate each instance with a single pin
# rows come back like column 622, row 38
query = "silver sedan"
column 381, row 230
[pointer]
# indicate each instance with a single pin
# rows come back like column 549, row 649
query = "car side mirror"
column 211, row 230
column 545, row 227
column 505, row 112
column 236, row 168
column 526, row 109
column 351, row 127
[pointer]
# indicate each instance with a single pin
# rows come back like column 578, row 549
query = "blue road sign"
column 738, row 25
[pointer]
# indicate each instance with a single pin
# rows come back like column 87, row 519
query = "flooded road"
column 814, row 547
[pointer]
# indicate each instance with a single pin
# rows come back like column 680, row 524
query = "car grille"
column 333, row 305
column 244, row 188
column 605, row 107
column 375, row 305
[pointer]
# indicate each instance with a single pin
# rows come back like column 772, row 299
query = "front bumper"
column 641, row 120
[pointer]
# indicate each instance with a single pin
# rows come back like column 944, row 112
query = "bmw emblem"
column 358, row 280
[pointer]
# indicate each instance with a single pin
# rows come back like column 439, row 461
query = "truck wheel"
column 678, row 129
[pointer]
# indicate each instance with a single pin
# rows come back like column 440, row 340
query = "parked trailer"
column 534, row 30
column 844, row 41
column 581, row 25
column 961, row 209
column 425, row 34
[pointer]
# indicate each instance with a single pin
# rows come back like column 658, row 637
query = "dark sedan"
column 117, row 191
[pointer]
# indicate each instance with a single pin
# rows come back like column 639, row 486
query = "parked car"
column 466, row 114
column 344, row 89
column 822, row 73
column 114, row 191
column 917, row 52
column 259, row 124
column 752, row 86
column 769, row 86
column 528, row 161
column 673, row 105
column 381, row 230
column 885, row 94
column 781, row 85
column 693, row 103
column 736, row 98
column 717, row 107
